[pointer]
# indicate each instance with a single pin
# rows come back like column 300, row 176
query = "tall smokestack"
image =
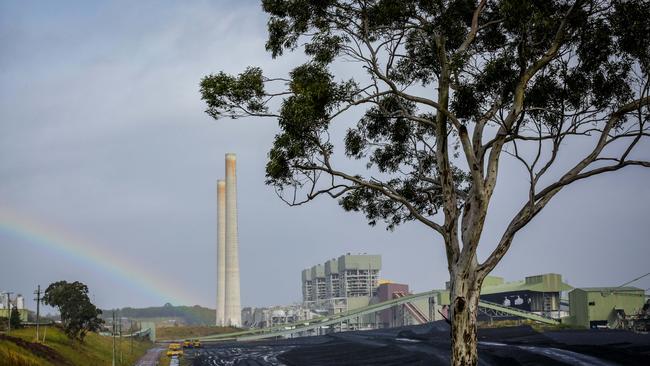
column 233, row 307
column 221, row 252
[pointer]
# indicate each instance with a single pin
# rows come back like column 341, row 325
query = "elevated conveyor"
column 413, row 310
column 313, row 324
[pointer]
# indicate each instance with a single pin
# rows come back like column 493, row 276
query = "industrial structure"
column 340, row 284
column 265, row 317
column 611, row 307
column 348, row 276
column 228, row 283
column 353, row 319
column 538, row 294
column 7, row 304
column 350, row 282
column 362, row 301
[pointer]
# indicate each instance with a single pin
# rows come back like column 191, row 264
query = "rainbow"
column 49, row 237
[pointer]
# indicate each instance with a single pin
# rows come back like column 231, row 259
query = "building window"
column 592, row 303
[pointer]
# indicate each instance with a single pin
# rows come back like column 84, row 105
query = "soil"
column 38, row 349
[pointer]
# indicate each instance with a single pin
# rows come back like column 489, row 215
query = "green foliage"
column 304, row 118
column 78, row 314
column 228, row 94
column 191, row 315
column 602, row 53
column 57, row 350
column 14, row 318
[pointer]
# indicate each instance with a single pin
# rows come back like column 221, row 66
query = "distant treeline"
column 191, row 315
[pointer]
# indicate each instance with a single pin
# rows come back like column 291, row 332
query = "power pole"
column 38, row 309
column 121, row 354
column 131, row 331
column 113, row 334
column 8, row 311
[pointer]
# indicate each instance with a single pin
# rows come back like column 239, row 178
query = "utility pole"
column 44, row 334
column 8, row 311
column 121, row 354
column 38, row 310
column 131, row 331
column 113, row 334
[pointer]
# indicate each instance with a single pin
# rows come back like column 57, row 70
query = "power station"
column 228, row 287
column 348, row 294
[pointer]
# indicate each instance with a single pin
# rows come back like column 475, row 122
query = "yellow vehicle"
column 174, row 349
column 188, row 344
column 197, row 343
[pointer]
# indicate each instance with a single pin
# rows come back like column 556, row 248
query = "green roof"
column 549, row 282
column 359, row 261
column 318, row 271
column 610, row 289
column 331, row 266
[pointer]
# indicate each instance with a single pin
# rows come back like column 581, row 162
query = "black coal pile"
column 429, row 345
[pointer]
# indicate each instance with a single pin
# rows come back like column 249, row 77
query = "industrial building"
column 416, row 312
column 7, row 304
column 348, row 287
column 332, row 280
column 351, row 275
column 593, row 307
column 265, row 317
column 306, row 285
column 228, row 312
column 318, row 283
column 344, row 283
column 538, row 294
column 350, row 282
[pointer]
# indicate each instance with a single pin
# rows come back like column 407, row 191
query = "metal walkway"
column 305, row 326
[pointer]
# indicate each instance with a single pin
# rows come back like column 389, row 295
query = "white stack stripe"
column 221, row 252
column 232, row 305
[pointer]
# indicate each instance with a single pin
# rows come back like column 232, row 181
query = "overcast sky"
column 103, row 137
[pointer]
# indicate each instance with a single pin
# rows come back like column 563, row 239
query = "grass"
column 58, row 349
column 184, row 332
column 11, row 354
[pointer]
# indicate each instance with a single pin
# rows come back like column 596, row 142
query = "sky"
column 108, row 169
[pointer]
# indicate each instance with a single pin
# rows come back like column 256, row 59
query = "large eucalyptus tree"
column 447, row 89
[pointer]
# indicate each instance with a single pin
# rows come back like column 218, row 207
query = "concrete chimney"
column 221, row 252
column 233, row 307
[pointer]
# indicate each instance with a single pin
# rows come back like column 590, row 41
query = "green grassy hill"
column 191, row 332
column 189, row 315
column 20, row 349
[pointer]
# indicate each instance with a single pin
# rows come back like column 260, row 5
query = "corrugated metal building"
column 538, row 294
column 601, row 306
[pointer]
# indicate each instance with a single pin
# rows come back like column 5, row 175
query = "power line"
column 634, row 280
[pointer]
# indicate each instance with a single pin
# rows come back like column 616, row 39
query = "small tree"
column 14, row 318
column 447, row 89
column 78, row 314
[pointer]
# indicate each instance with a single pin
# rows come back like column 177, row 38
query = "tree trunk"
column 465, row 291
